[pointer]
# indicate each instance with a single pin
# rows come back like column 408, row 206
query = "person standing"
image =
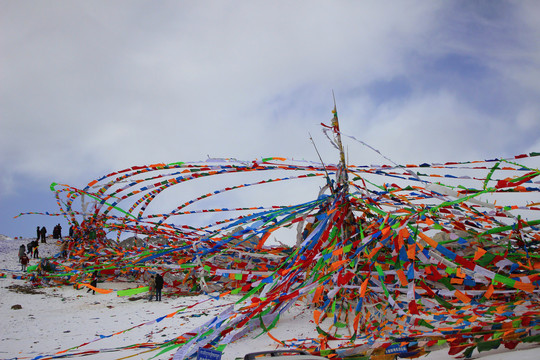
column 36, row 249
column 24, row 262
column 151, row 287
column 38, row 230
column 30, row 247
column 63, row 249
column 93, row 282
column 43, row 234
column 159, row 286
column 22, row 252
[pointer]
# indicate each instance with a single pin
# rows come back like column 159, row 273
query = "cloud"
column 87, row 88
column 77, row 68
column 434, row 128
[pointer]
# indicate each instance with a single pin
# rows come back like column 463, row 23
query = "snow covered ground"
column 51, row 320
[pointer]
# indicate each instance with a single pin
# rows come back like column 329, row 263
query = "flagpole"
column 342, row 178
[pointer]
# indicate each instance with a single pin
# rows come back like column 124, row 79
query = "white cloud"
column 7, row 184
column 92, row 87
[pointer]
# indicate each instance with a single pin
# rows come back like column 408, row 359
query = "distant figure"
column 22, row 252
column 36, row 249
column 57, row 232
column 93, row 282
column 30, row 247
column 45, row 265
column 69, row 248
column 71, row 231
column 151, row 287
column 63, row 249
column 159, row 286
column 24, row 262
column 43, row 232
column 38, row 230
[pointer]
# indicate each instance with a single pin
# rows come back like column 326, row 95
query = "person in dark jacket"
column 36, row 249
column 93, row 282
column 30, row 247
column 159, row 286
column 38, row 231
column 43, row 234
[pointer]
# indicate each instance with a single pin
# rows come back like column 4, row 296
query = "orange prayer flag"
column 404, row 233
column 461, row 296
column 428, row 240
column 225, row 293
column 317, row 316
column 318, row 293
column 445, row 329
column 356, row 321
column 374, row 251
column 411, row 251
column 402, row 277
column 101, row 291
column 363, row 287
column 330, row 212
column 276, row 340
column 337, row 264
column 479, row 253
column 528, row 287
column 385, row 232
column 264, row 238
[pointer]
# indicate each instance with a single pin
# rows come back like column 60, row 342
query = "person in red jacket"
column 24, row 262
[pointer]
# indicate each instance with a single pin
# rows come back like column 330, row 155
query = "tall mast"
column 342, row 179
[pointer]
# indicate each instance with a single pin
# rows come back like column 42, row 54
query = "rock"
column 16, row 307
column 131, row 242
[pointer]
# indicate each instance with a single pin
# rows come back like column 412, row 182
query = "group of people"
column 42, row 234
column 155, row 286
column 32, row 248
column 57, row 232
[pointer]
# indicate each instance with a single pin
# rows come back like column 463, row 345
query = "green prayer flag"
column 134, row 291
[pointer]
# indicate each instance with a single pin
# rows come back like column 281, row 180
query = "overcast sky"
column 90, row 87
